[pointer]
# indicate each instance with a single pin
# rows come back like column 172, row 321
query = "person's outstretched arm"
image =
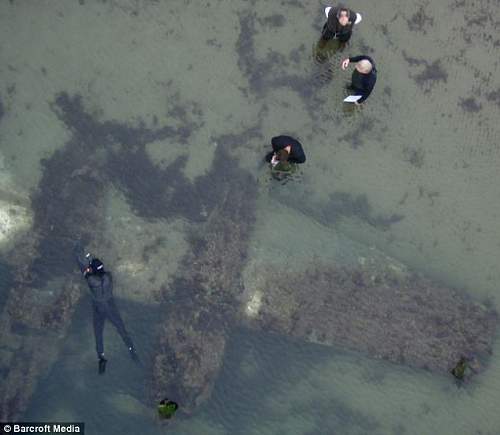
column 347, row 61
column 79, row 254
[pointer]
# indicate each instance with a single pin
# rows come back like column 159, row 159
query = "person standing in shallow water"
column 100, row 283
column 364, row 76
column 339, row 24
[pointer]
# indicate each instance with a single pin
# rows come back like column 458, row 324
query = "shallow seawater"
column 140, row 96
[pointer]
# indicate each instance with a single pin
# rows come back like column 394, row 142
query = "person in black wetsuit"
column 100, row 283
column 363, row 77
column 286, row 149
column 339, row 24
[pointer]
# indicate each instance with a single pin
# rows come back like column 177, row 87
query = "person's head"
column 364, row 66
column 96, row 267
column 282, row 155
column 343, row 16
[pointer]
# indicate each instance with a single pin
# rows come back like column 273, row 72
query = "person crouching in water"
column 339, row 25
column 364, row 76
column 286, row 149
column 286, row 154
column 100, row 284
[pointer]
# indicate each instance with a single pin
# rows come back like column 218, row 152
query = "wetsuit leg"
column 99, row 317
column 115, row 318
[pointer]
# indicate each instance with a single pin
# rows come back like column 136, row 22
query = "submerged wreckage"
column 350, row 295
column 383, row 312
column 345, row 293
column 322, row 288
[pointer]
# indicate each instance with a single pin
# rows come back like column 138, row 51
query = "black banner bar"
column 42, row 427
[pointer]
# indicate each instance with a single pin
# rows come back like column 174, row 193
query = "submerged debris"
column 192, row 338
column 383, row 313
column 167, row 408
column 459, row 370
column 465, row 368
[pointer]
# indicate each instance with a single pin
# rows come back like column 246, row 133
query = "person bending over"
column 285, row 149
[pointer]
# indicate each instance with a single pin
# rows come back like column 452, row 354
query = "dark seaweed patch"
column 273, row 71
column 214, row 43
column 355, row 138
column 245, row 47
column 164, row 193
column 178, row 111
column 470, row 105
column 494, row 97
column 6, row 283
column 275, row 20
column 364, row 48
column 481, row 19
column 189, row 117
column 419, row 21
column 430, row 74
column 2, row 110
column 86, row 128
column 296, row 53
column 301, row 85
column 66, row 204
column 415, row 156
column 293, row 3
